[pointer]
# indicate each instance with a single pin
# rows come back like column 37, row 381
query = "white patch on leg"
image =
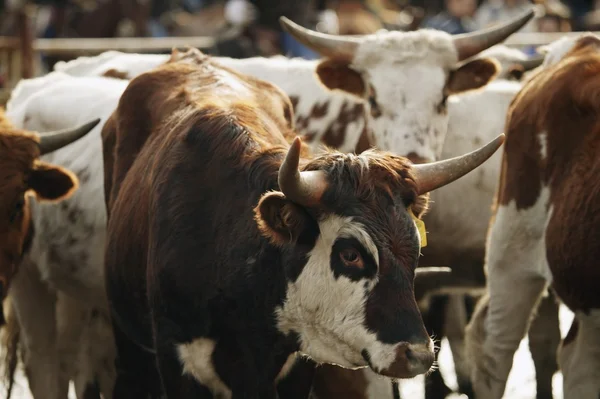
column 580, row 359
column 196, row 358
column 518, row 274
column 329, row 313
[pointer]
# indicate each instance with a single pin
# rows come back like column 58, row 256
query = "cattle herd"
column 188, row 226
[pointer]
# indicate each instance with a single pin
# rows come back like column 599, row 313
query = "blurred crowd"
column 245, row 28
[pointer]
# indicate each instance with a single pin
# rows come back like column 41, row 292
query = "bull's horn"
column 531, row 63
column 53, row 141
column 304, row 188
column 430, row 176
column 324, row 44
column 470, row 44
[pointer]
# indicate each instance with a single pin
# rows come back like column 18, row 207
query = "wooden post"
column 26, row 42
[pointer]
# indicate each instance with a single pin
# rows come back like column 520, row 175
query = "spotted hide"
column 545, row 227
column 58, row 295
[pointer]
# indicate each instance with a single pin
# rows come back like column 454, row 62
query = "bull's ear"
column 337, row 74
column 279, row 219
column 52, row 183
column 472, row 75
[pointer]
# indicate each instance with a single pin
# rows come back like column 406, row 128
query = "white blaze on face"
column 329, row 313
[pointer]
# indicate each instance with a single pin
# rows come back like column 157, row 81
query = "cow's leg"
column 455, row 324
column 35, row 307
column 102, row 350
column 579, row 357
column 95, row 350
column 298, row 381
column 71, row 320
column 184, row 368
column 517, row 275
column 434, row 317
column 544, row 339
column 137, row 377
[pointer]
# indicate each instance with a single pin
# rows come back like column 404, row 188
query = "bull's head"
column 405, row 78
column 346, row 226
column 23, row 174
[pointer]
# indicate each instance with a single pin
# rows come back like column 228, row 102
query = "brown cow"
column 23, row 176
column 546, row 227
column 224, row 259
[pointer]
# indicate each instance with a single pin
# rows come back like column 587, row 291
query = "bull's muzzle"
column 411, row 360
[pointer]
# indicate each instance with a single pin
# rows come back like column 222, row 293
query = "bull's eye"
column 351, row 257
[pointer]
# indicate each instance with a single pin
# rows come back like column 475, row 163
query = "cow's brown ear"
column 52, row 183
column 472, row 75
column 337, row 74
column 279, row 219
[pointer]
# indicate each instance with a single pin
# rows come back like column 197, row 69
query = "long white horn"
column 322, row 43
column 53, row 141
column 470, row 44
column 430, row 176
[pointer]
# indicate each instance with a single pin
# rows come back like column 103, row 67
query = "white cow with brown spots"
column 58, row 295
column 544, row 231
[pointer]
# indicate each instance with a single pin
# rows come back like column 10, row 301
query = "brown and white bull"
column 544, row 231
column 195, row 144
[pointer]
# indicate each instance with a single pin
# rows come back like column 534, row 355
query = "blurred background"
column 31, row 31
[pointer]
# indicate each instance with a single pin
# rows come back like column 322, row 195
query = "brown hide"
column 148, row 101
column 561, row 102
column 22, row 175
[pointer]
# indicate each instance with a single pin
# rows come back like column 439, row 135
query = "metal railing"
column 19, row 57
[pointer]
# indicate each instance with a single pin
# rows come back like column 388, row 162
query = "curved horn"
column 434, row 175
column 470, row 44
column 531, row 63
column 322, row 43
column 304, row 188
column 53, row 141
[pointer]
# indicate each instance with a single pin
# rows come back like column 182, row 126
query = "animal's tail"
column 9, row 341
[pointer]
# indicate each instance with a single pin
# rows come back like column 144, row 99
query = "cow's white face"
column 326, row 305
column 406, row 80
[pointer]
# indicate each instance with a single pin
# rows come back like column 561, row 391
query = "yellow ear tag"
column 420, row 228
